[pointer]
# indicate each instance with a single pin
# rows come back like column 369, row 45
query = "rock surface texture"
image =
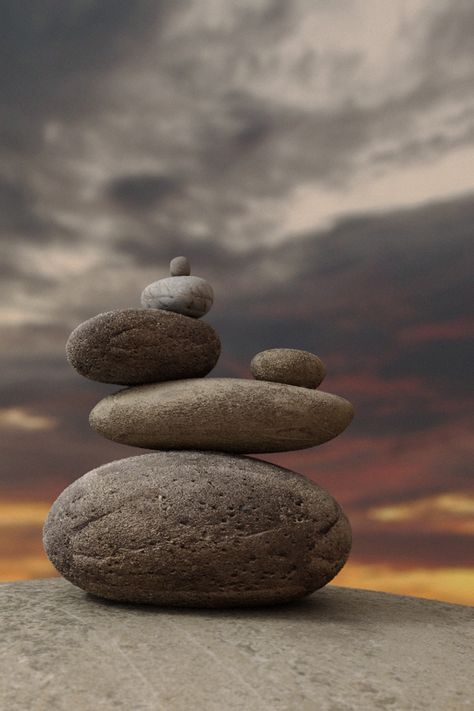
column 288, row 365
column 225, row 414
column 196, row 529
column 134, row 346
column 338, row 650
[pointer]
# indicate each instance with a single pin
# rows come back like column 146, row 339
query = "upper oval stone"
column 290, row 366
column 135, row 346
column 222, row 414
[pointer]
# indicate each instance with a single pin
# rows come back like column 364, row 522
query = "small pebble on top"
column 180, row 293
column 179, row 266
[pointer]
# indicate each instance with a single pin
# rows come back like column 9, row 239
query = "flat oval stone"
column 134, row 346
column 290, row 366
column 196, row 529
column 225, row 414
column 188, row 295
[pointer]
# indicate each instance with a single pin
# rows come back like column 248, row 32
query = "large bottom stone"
column 196, row 529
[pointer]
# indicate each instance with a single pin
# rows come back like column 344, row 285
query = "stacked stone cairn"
column 197, row 522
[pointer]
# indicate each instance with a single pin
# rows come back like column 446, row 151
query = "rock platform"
column 340, row 649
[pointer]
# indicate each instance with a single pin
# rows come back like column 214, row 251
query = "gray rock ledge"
column 338, row 650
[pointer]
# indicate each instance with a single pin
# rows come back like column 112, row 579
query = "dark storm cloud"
column 141, row 192
column 450, row 34
column 439, row 361
column 16, row 208
column 238, row 144
column 51, row 51
column 376, row 273
column 311, row 140
column 14, row 274
column 55, row 58
column 22, row 219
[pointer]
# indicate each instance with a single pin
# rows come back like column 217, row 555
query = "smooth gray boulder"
column 222, row 414
column 337, row 650
column 196, row 529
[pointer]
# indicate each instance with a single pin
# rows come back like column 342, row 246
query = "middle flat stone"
column 223, row 414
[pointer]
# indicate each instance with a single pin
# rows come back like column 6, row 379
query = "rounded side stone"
column 196, row 529
column 135, row 346
column 288, row 365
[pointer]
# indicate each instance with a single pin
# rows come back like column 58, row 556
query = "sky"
column 313, row 160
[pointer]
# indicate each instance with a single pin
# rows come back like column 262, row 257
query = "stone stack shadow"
column 197, row 522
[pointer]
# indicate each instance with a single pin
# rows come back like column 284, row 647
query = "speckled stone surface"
column 288, row 365
column 196, row 529
column 224, row 414
column 130, row 346
column 338, row 650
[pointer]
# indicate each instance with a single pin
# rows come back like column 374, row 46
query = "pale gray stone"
column 338, row 650
column 226, row 414
column 196, row 529
column 187, row 295
column 288, row 365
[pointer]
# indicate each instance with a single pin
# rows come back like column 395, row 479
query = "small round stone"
column 179, row 266
column 196, row 529
column 137, row 346
column 290, row 366
column 187, row 295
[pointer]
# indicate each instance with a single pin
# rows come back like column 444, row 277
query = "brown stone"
column 225, row 414
column 133, row 346
column 196, row 529
column 290, row 366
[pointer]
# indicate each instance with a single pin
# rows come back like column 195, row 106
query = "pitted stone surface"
column 196, row 529
column 224, row 414
column 338, row 650
column 132, row 346
column 288, row 365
